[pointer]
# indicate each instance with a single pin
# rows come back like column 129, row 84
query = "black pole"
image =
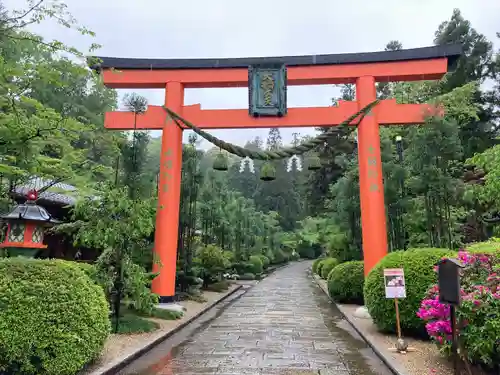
column 454, row 346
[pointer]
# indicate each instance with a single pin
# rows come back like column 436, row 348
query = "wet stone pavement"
column 283, row 325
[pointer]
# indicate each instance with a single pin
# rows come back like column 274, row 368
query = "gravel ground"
column 424, row 359
column 121, row 346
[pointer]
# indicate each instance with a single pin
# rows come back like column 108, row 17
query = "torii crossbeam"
column 361, row 69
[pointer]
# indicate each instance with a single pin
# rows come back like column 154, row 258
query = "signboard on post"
column 449, row 293
column 394, row 279
column 395, row 288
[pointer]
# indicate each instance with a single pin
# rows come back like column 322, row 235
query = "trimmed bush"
column 326, row 266
column 316, row 264
column 418, row 265
column 257, row 266
column 53, row 317
column 345, row 282
column 491, row 246
column 320, row 265
column 309, row 251
column 265, row 260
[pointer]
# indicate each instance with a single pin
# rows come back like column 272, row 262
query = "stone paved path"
column 283, row 325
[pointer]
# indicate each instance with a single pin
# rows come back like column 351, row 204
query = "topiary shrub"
column 316, row 264
column 326, row 266
column 265, row 260
column 418, row 265
column 320, row 265
column 257, row 266
column 53, row 318
column 345, row 282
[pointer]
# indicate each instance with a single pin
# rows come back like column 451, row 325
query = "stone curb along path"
column 382, row 353
column 120, row 363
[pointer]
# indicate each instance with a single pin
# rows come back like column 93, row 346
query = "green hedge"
column 345, row 282
column 491, row 246
column 418, row 265
column 53, row 317
column 326, row 266
column 257, row 266
column 316, row 264
column 320, row 265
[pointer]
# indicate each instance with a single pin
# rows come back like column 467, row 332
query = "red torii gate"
column 361, row 69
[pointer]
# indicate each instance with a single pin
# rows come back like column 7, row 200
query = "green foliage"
column 489, row 193
column 112, row 221
column 257, row 265
column 130, row 324
column 326, row 266
column 247, row 276
column 164, row 314
column 307, row 250
column 220, row 286
column 320, row 266
column 53, row 318
column 418, row 265
column 345, row 282
column 315, row 265
column 211, row 262
column 135, row 281
column 265, row 261
column 212, row 259
column 280, row 257
column 53, row 129
column 491, row 246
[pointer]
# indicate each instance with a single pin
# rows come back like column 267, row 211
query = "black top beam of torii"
column 451, row 51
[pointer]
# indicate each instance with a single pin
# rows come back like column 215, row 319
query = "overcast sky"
column 231, row 28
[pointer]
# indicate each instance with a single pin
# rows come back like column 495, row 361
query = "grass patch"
column 166, row 314
column 220, row 286
column 134, row 324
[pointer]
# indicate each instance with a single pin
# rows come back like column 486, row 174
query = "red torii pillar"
column 364, row 69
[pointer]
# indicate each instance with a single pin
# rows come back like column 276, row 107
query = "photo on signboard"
column 394, row 281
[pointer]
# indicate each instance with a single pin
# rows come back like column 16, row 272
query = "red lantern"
column 25, row 227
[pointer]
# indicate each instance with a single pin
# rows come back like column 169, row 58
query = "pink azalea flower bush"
column 478, row 316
